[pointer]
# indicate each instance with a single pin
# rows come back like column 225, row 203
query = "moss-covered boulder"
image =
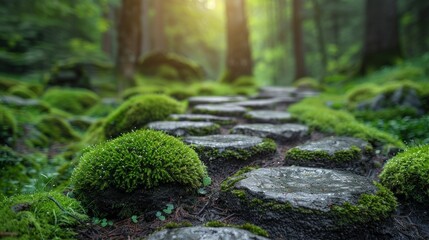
column 8, row 127
column 170, row 66
column 56, row 129
column 76, row 101
column 138, row 111
column 22, row 91
column 407, row 174
column 185, row 128
column 138, row 172
column 333, row 152
column 311, row 203
column 47, row 215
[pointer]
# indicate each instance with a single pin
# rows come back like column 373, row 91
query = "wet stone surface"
column 222, row 142
column 220, row 110
column 262, row 116
column 185, row 128
column 204, row 233
column 310, row 188
column 203, row 118
column 272, row 91
column 271, row 103
column 332, row 145
column 279, row 133
column 214, row 100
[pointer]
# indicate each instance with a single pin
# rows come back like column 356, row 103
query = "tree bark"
column 381, row 39
column 239, row 59
column 129, row 39
column 298, row 41
column 320, row 36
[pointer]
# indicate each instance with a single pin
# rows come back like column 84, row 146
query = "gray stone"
column 307, row 93
column 203, row 118
column 82, row 122
column 220, row 110
column 185, row 128
column 223, row 142
column 214, row 100
column 280, row 133
column 266, row 116
column 271, row 103
column 17, row 102
column 309, row 188
column 204, row 233
column 273, row 91
column 332, row 145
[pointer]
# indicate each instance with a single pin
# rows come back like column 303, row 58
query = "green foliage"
column 229, row 183
column 8, row 127
column 165, row 212
column 22, row 91
column 370, row 207
column 142, row 159
column 102, row 222
column 308, row 83
column 138, row 111
column 407, row 174
column 56, row 129
column 142, row 90
column 316, row 114
column 75, row 101
column 246, row 226
column 48, row 215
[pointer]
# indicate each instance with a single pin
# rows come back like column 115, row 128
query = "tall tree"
column 160, row 42
column 129, row 40
column 298, row 40
column 381, row 38
column 238, row 59
column 317, row 17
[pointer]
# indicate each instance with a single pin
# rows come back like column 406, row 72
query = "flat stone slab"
column 310, row 203
column 333, row 152
column 223, row 142
column 309, row 188
column 185, row 128
column 17, row 102
column 205, row 233
column 203, row 118
column 271, row 103
column 220, row 110
column 273, row 91
column 281, row 133
column 214, row 99
column 266, row 116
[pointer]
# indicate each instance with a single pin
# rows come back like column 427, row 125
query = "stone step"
column 282, row 133
column 309, row 203
column 205, row 233
column 203, row 118
column 267, row 116
column 201, row 100
column 270, row 103
column 185, row 128
column 220, row 110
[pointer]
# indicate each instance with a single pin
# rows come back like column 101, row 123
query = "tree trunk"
column 298, row 41
column 239, row 59
column 381, row 40
column 129, row 31
column 160, row 43
column 320, row 36
column 146, row 25
column 281, row 22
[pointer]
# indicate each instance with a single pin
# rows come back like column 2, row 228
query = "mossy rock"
column 203, row 118
column 407, row 174
column 200, row 233
column 7, row 83
column 22, row 91
column 138, row 111
column 185, row 128
column 142, row 90
column 103, row 108
column 137, row 172
column 56, row 129
column 311, row 203
column 170, row 66
column 73, row 74
column 76, row 101
column 334, row 152
column 8, row 127
column 47, row 215
column 234, row 151
column 308, row 83
column 222, row 110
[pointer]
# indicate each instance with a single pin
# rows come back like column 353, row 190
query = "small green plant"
column 167, row 211
column 102, row 222
column 134, row 219
column 206, row 182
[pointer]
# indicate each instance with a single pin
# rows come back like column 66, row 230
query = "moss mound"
column 56, row 129
column 308, row 83
column 8, row 127
column 75, row 101
column 170, row 66
column 407, row 174
column 47, row 215
column 22, row 91
column 138, row 111
column 314, row 113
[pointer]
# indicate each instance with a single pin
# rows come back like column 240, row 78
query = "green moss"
column 171, row 225
column 7, row 83
column 100, row 110
column 76, row 101
column 138, row 111
column 296, row 154
column 8, row 127
column 308, row 83
column 22, row 91
column 181, row 93
column 316, row 114
column 132, row 92
column 142, row 159
column 268, row 146
column 56, row 129
column 239, row 193
column 386, row 114
column 36, row 216
column 246, row 226
column 370, row 207
column 229, row 183
column 407, row 174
